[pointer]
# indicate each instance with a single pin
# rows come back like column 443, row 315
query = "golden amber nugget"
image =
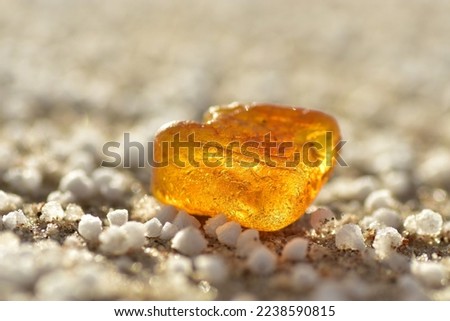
column 261, row 165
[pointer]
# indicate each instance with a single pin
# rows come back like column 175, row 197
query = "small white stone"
column 247, row 241
column 321, row 217
column 398, row 182
column 388, row 217
column 213, row 223
column 303, row 277
column 9, row 202
column 211, row 268
column 90, row 227
column 114, row 240
column 189, row 241
column 178, row 264
column 27, row 179
column 166, row 213
column 73, row 212
column 430, row 274
column 52, row 211
column 81, row 160
column 435, row 171
column 262, row 261
column 64, row 198
column 369, row 222
column 411, row 289
column 8, row 240
column 379, row 198
column 135, row 233
column 295, row 250
column 427, row 223
column 183, row 219
column 446, row 228
column 168, row 231
column 329, row 291
column 4, row 200
column 79, row 184
column 14, row 219
column 410, row 224
column 73, row 241
column 349, row 236
column 228, row 233
column 117, row 217
column 386, row 239
column 109, row 182
column 153, row 227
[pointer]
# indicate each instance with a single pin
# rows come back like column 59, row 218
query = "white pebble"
column 228, row 233
column 427, row 223
column 295, row 250
column 262, row 261
column 321, row 217
column 114, row 240
column 178, row 264
column 388, row 217
column 9, row 202
column 189, row 241
column 351, row 189
column 379, row 198
column 386, row 239
column 78, row 183
column 411, row 289
column 430, row 274
column 168, row 231
column 303, row 277
column 27, row 179
column 166, row 213
column 434, row 170
column 398, row 182
column 109, row 182
column 73, row 212
column 73, row 241
column 183, row 219
column 369, row 222
column 64, row 198
column 349, row 236
column 135, row 233
column 52, row 211
column 90, row 227
column 117, row 217
column 8, row 241
column 329, row 291
column 410, row 224
column 211, row 268
column 446, row 228
column 4, row 200
column 213, row 223
column 81, row 160
column 153, row 227
column 246, row 242
column 14, row 219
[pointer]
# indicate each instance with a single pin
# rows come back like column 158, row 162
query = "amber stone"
column 260, row 164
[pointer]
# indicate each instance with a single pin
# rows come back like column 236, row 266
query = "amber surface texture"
column 259, row 164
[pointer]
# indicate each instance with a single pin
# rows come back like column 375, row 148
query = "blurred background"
column 75, row 74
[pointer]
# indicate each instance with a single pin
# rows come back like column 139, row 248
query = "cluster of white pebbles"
column 75, row 76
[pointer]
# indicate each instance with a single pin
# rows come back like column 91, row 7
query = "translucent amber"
column 261, row 165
